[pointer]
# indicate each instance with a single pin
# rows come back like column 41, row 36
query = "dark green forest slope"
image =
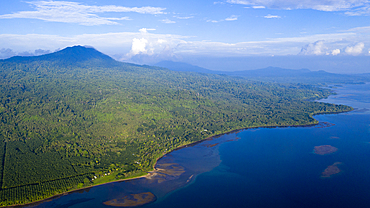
column 77, row 118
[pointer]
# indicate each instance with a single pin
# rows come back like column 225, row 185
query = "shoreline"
column 178, row 148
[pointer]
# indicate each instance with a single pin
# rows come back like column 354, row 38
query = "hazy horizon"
column 319, row 35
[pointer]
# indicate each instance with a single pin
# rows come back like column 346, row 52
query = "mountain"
column 271, row 72
column 76, row 117
column 276, row 74
column 69, row 55
column 184, row 67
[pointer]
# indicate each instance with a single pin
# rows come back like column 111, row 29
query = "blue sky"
column 146, row 31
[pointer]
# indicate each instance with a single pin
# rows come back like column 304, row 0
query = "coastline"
column 180, row 147
column 72, row 191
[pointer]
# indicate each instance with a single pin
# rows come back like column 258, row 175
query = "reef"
column 324, row 149
column 324, row 125
column 331, row 170
column 164, row 172
column 132, row 200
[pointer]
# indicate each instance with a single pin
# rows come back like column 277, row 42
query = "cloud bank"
column 7, row 53
column 316, row 48
column 326, row 48
column 73, row 12
column 145, row 46
column 355, row 50
column 353, row 7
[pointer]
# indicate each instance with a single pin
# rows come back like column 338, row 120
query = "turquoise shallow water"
column 263, row 167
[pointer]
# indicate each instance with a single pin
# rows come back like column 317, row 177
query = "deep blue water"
column 263, row 167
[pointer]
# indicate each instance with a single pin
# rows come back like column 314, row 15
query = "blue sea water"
column 262, row 167
column 277, row 168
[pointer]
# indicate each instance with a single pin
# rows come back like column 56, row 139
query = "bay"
column 261, row 167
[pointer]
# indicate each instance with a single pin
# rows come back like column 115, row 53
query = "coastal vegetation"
column 77, row 118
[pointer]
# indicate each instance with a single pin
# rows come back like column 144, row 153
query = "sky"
column 211, row 34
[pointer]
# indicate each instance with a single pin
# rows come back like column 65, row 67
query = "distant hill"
column 276, row 74
column 271, row 72
column 184, row 67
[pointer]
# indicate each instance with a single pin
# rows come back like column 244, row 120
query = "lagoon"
column 261, row 167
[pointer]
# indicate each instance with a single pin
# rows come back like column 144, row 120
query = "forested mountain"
column 276, row 74
column 70, row 55
column 76, row 117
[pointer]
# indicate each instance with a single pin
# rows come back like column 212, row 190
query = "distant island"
column 325, row 149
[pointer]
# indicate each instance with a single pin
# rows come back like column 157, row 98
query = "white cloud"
column 269, row 16
column 138, row 46
column 183, row 17
column 316, row 48
column 258, row 7
column 238, row 2
column 73, row 12
column 274, row 46
column 213, row 21
column 335, row 52
column 355, row 50
column 364, row 10
column 145, row 30
column 160, row 41
column 365, row 29
column 354, row 7
column 143, row 43
column 6, row 53
column 118, row 44
column 331, row 47
column 232, row 18
column 167, row 21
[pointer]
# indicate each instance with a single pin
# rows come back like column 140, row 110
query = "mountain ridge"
column 184, row 67
column 67, row 55
column 276, row 74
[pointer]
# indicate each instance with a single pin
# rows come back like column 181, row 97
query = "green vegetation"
column 71, row 124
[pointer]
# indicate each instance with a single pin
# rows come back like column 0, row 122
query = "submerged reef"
column 132, row 200
column 324, row 149
column 331, row 170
